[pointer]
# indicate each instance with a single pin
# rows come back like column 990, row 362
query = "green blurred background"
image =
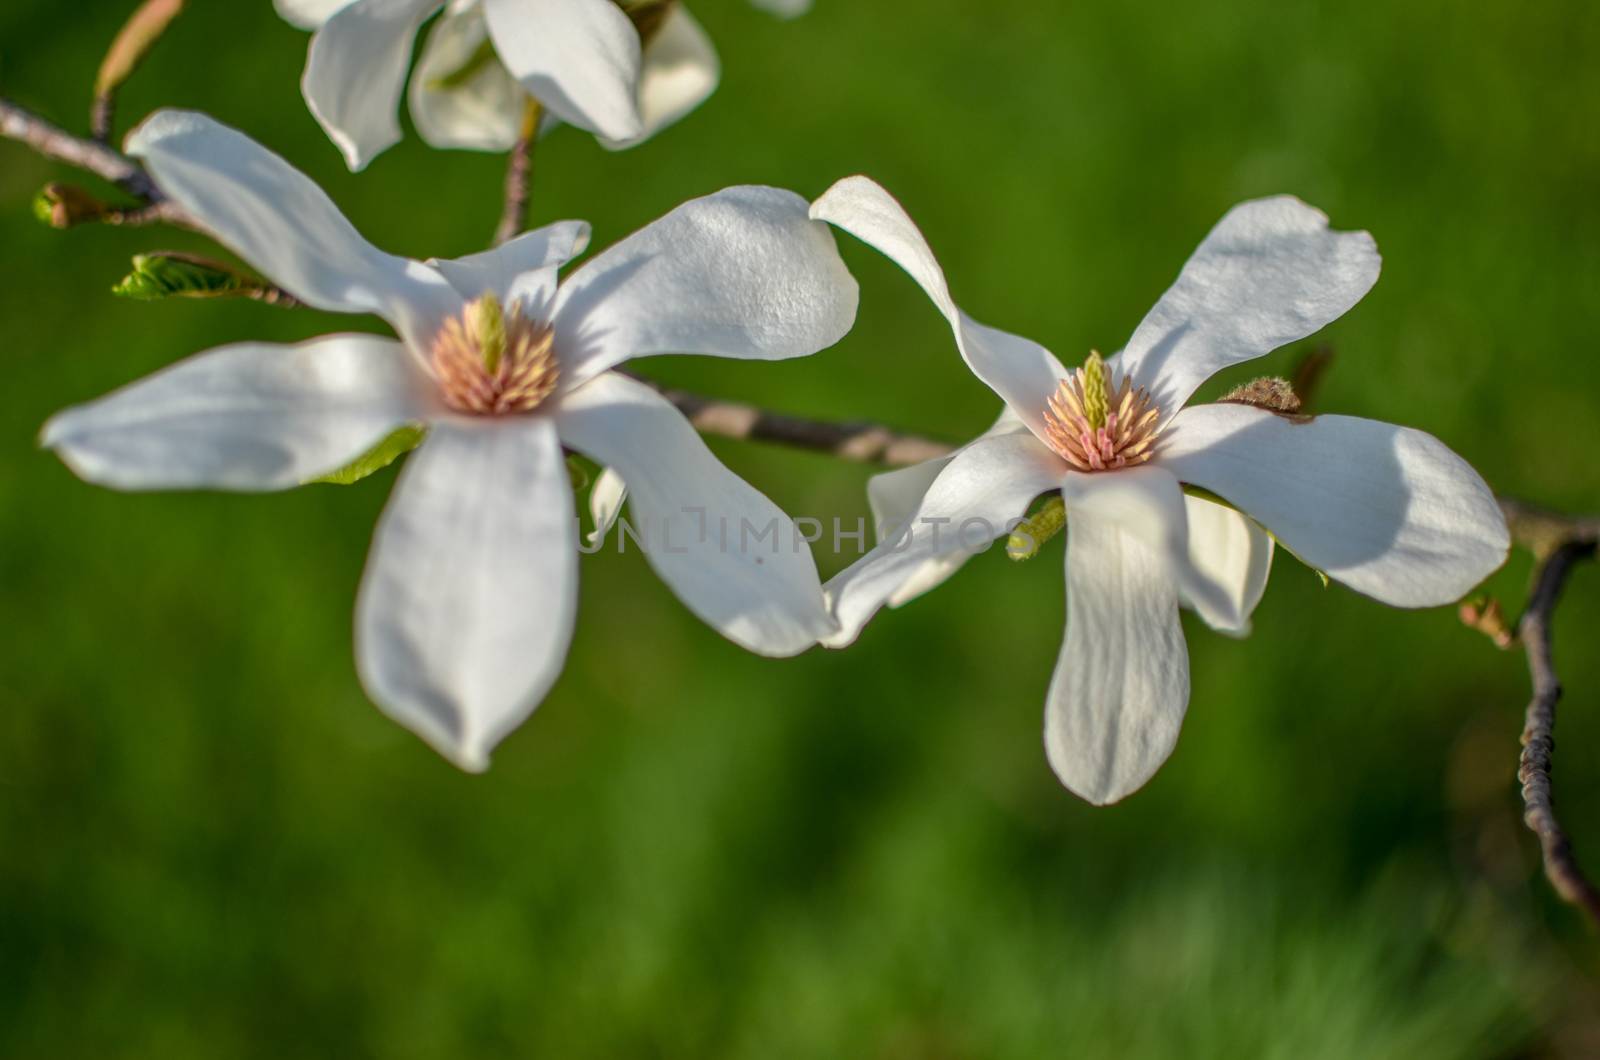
column 212, row 846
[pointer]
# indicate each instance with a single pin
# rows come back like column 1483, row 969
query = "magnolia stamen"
column 1096, row 427
column 490, row 363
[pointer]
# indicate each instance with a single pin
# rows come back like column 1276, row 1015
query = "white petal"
column 1268, row 274
column 978, row 497
column 1147, row 504
column 247, row 417
column 741, row 273
column 730, row 554
column 468, row 601
column 680, row 70
column 356, row 70
column 894, row 497
column 605, row 504
column 1233, row 551
column 580, row 58
column 275, row 218
column 522, row 270
column 1022, row 372
column 483, row 112
column 784, row 8
column 1121, row 687
column 1389, row 511
column 308, row 14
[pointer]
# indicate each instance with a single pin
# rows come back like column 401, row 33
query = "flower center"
column 491, row 364
column 1097, row 427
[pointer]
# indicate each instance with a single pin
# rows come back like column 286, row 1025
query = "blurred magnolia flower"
column 1386, row 510
column 622, row 71
column 784, row 8
column 468, row 601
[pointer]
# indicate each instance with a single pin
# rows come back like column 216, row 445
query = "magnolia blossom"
column 468, row 601
column 622, row 75
column 1386, row 510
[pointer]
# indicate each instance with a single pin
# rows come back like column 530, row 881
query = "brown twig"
column 1309, row 373
column 1542, row 531
column 864, row 443
column 20, row 124
column 137, row 36
column 519, row 176
column 49, row 140
column 1538, row 735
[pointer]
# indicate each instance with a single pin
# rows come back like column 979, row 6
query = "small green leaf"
column 377, row 458
column 158, row 276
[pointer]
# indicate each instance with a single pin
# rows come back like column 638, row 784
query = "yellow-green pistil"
column 491, row 363
column 1095, row 426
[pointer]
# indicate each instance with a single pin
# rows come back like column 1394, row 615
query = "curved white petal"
column 978, row 497
column 275, row 218
column 1022, row 372
column 522, row 270
column 784, row 8
column 730, row 554
column 307, row 14
column 470, row 593
column 1121, row 686
column 580, row 58
column 605, row 504
column 741, row 273
column 247, row 417
column 680, row 70
column 1387, row 510
column 894, row 497
column 481, row 111
column 1147, row 504
column 1269, row 273
column 356, row 70
column 1233, row 551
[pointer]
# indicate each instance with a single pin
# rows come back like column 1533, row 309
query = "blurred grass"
column 213, row 846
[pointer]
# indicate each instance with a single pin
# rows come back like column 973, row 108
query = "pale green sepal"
column 377, row 458
column 158, row 276
column 1033, row 532
column 1204, row 494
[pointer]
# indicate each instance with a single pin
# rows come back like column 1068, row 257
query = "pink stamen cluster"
column 1125, row 438
column 523, row 374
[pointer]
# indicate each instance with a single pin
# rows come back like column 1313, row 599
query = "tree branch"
column 1538, row 735
column 1542, row 531
column 519, row 176
column 20, row 124
column 141, row 32
column 860, row 442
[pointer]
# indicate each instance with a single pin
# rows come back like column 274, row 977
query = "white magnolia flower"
column 467, row 605
column 620, row 75
column 1388, row 511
